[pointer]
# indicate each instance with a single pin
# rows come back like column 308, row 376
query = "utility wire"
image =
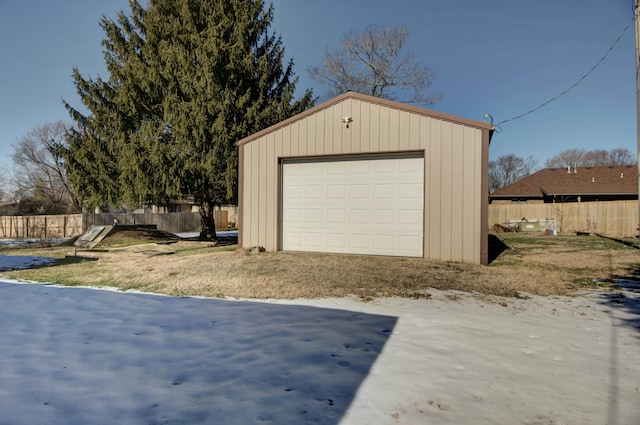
column 573, row 85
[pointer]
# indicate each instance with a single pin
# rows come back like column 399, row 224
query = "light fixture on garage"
column 346, row 121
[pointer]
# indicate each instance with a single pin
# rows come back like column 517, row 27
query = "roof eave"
column 375, row 100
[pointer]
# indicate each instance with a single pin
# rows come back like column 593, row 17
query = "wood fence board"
column 612, row 218
column 68, row 226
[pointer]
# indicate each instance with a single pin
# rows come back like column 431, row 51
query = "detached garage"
column 363, row 175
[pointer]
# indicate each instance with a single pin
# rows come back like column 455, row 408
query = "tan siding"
column 433, row 206
column 458, row 201
column 446, row 190
column 470, row 218
column 327, row 128
column 413, row 132
column 342, row 140
column 332, row 120
column 425, row 143
column 309, row 132
column 367, row 128
column 254, row 194
column 294, row 139
column 376, row 129
column 357, row 127
column 262, row 192
column 271, row 194
column 394, row 130
column 385, row 129
column 283, row 140
column 453, row 170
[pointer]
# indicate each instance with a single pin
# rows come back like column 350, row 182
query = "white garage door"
column 357, row 206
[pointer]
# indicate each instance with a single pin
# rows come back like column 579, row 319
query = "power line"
column 574, row 84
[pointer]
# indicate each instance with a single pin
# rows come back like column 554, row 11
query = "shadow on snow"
column 78, row 356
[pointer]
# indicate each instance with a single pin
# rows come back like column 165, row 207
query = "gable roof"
column 369, row 99
column 604, row 180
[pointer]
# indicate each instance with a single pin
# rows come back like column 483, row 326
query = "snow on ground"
column 219, row 233
column 78, row 355
column 12, row 243
column 16, row 262
column 83, row 356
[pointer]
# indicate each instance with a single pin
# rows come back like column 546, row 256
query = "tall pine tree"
column 187, row 79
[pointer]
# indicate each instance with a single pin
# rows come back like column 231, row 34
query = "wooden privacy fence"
column 40, row 226
column 68, row 226
column 611, row 218
column 168, row 222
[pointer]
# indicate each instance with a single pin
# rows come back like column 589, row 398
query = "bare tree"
column 39, row 173
column 508, row 169
column 372, row 62
column 598, row 157
column 4, row 190
column 622, row 156
column 568, row 157
column 595, row 157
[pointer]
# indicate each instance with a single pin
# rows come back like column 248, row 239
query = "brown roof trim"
column 371, row 99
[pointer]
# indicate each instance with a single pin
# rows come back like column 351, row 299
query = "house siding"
column 453, row 153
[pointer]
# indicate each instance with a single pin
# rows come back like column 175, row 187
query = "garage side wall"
column 453, row 157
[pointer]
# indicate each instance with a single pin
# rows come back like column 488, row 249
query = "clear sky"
column 503, row 57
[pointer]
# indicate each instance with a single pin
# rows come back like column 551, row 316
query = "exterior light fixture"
column 346, row 121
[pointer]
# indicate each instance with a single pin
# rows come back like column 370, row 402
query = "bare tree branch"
column 39, row 172
column 577, row 157
column 371, row 62
column 508, row 169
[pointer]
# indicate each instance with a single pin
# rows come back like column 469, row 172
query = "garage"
column 363, row 175
column 371, row 205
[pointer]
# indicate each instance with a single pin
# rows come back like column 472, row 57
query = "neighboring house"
column 572, row 184
column 9, row 207
column 363, row 175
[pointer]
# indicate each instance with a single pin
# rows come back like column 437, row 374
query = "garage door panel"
column 295, row 239
column 382, row 167
column 384, row 191
column 383, row 242
column 336, row 191
column 359, row 217
column 409, row 243
column 337, row 217
column 336, row 240
column 410, row 217
column 359, row 191
column 361, row 206
column 294, row 216
column 384, row 217
column 295, row 192
column 359, row 168
column 337, row 168
column 314, row 216
column 314, row 192
column 408, row 191
column 358, row 241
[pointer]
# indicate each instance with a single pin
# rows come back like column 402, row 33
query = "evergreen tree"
column 188, row 79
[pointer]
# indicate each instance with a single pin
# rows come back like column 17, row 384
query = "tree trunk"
column 208, row 222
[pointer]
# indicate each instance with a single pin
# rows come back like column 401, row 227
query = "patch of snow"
column 219, row 233
column 19, row 262
column 10, row 243
column 77, row 355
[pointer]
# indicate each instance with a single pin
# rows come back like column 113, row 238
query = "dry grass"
column 531, row 264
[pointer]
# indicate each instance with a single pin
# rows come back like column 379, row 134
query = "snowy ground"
column 12, row 243
column 18, row 262
column 13, row 262
column 78, row 356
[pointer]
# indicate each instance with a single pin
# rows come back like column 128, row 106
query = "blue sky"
column 503, row 57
